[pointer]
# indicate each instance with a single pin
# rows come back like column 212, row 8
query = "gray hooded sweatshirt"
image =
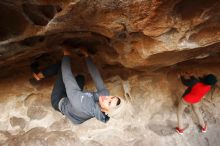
column 80, row 106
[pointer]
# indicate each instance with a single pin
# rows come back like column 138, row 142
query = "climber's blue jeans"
column 59, row 90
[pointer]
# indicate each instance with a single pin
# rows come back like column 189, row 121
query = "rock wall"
column 139, row 46
column 135, row 34
column 148, row 116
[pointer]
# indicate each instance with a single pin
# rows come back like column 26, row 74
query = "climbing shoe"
column 204, row 129
column 179, row 131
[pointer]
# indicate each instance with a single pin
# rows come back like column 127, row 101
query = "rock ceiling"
column 134, row 34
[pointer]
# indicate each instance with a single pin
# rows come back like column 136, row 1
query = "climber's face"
column 108, row 102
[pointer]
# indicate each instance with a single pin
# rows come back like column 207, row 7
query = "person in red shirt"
column 197, row 88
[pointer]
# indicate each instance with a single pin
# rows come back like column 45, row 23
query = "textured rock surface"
column 150, row 33
column 139, row 47
column 147, row 118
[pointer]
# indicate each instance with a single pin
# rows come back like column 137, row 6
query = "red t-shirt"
column 197, row 92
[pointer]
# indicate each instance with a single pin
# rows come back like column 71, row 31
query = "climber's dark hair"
column 209, row 79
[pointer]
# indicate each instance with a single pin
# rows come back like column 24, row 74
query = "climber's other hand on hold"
column 67, row 51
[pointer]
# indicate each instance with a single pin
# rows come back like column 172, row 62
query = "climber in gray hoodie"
column 79, row 106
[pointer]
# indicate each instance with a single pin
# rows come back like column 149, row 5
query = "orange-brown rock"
column 139, row 46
